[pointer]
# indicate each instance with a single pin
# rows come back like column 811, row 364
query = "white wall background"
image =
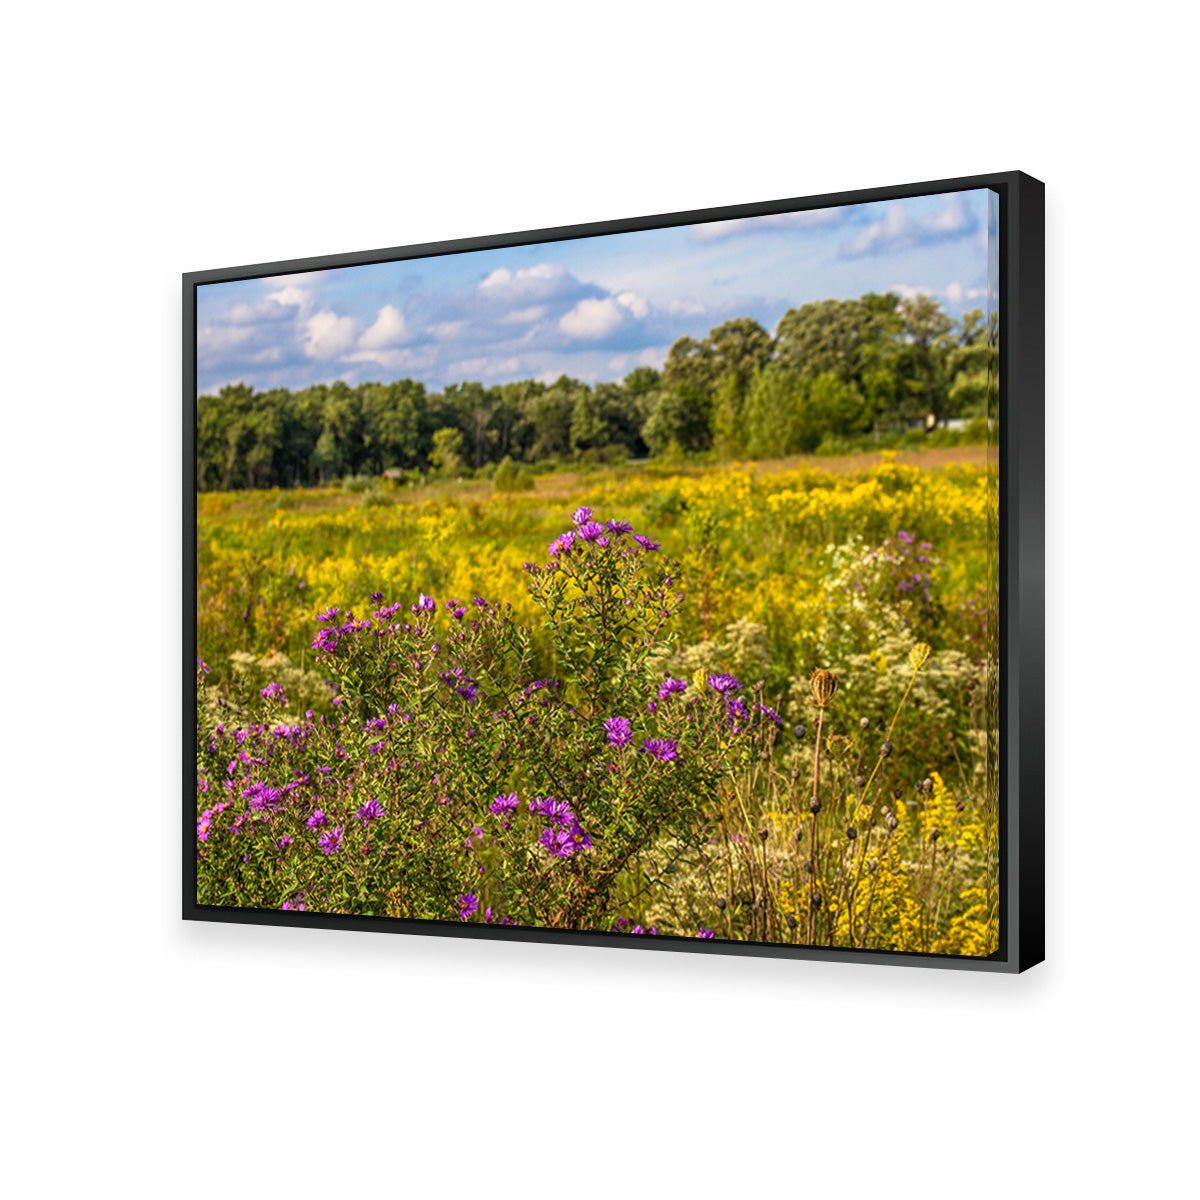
column 146, row 1058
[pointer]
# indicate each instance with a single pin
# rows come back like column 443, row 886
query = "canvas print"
column 644, row 583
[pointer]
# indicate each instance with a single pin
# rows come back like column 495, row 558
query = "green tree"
column 446, row 454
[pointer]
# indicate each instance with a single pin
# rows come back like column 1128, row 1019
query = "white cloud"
column 618, row 362
column 484, row 367
column 909, row 292
column 524, row 316
column 393, row 360
column 388, row 329
column 291, row 297
column 954, row 292
column 591, row 319
column 220, row 339
column 445, row 330
column 636, row 304
column 813, row 217
column 896, row 230
column 685, row 308
column 652, row 356
column 327, row 335
column 538, row 280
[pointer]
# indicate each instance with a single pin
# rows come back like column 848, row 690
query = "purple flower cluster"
column 671, row 687
column 206, row 819
column 273, row 691
column 468, row 905
column 331, row 840
column 370, row 810
column 618, row 731
column 425, row 604
column 724, row 684
column 504, row 804
column 591, row 531
column 660, row 749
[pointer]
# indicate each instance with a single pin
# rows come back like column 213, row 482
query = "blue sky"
column 593, row 308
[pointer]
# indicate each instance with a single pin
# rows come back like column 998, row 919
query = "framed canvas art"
column 672, row 582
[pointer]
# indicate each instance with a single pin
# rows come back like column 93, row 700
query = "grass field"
column 786, row 567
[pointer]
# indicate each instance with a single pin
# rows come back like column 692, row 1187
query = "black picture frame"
column 1021, row 307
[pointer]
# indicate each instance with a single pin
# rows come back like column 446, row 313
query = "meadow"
column 752, row 701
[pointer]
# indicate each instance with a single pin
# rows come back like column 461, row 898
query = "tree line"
column 834, row 369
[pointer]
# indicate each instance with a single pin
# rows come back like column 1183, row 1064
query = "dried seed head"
column 864, row 723
column 885, row 749
column 764, row 834
column 822, row 684
column 860, row 782
column 891, row 822
column 816, row 900
column 721, row 902
column 934, row 834
column 796, row 773
column 851, row 832
column 896, row 793
column 808, row 868
column 927, row 786
column 814, row 805
column 959, row 806
column 799, row 833
column 918, row 656
column 872, row 865
column 792, row 922
column 798, row 730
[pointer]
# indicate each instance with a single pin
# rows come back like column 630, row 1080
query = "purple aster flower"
column 670, row 686
column 503, row 804
column 651, row 706
column 330, row 614
column 558, row 842
column 272, row 691
column 468, row 903
column 646, row 543
column 724, row 684
column 581, row 515
column 591, row 531
column 618, row 731
column 331, row 840
column 296, row 905
column 770, row 714
column 579, row 839
column 316, row 820
column 326, row 640
column 376, row 597
column 706, row 933
column 370, row 810
column 425, row 604
column 468, row 690
column 618, row 527
column 562, row 544
column 660, row 749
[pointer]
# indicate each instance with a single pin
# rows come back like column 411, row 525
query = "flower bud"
column 814, row 805
column 864, row 723
column 822, row 684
